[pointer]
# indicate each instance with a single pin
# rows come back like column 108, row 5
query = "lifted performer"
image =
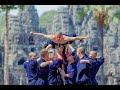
column 60, row 38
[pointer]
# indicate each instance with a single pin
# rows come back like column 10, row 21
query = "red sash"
column 67, row 53
column 56, row 57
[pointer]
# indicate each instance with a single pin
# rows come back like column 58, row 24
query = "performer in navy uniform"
column 51, row 44
column 53, row 67
column 94, row 66
column 43, row 68
column 83, row 69
column 70, row 76
column 31, row 69
column 59, row 54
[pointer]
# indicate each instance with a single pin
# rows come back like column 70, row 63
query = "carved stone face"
column 113, row 41
column 113, row 28
column 17, row 39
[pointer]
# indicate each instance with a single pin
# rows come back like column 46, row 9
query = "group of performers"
column 68, row 67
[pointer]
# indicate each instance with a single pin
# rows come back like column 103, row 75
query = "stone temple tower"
column 20, row 41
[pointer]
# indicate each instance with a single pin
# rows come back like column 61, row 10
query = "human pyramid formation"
column 68, row 67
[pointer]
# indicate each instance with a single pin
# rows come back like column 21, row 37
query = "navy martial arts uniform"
column 31, row 70
column 83, row 69
column 64, row 54
column 72, row 72
column 94, row 70
column 52, row 78
column 42, row 73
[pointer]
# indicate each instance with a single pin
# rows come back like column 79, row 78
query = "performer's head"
column 32, row 56
column 93, row 54
column 70, row 58
column 58, row 35
column 44, row 54
column 80, row 51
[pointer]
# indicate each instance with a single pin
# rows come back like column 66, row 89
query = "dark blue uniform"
column 94, row 70
column 72, row 72
column 52, row 78
column 31, row 70
column 83, row 69
column 42, row 73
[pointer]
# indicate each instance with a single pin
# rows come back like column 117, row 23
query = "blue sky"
column 41, row 9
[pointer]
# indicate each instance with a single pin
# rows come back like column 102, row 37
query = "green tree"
column 6, row 9
column 46, row 18
column 102, row 17
column 115, row 16
column 2, row 23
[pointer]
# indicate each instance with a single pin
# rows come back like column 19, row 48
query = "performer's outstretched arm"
column 78, row 38
column 42, row 35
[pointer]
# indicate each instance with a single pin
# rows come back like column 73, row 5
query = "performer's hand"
column 51, row 58
column 51, row 51
column 50, row 62
column 31, row 33
column 98, row 57
column 82, row 61
column 87, row 37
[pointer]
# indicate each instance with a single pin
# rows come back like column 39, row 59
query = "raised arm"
column 49, row 46
column 42, row 35
column 91, row 62
column 100, row 61
column 59, row 56
column 71, row 48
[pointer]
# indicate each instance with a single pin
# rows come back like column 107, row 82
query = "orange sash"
column 56, row 57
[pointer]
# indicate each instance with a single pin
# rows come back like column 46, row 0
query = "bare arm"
column 66, row 75
column 78, row 38
column 70, row 46
column 42, row 35
column 49, row 46
column 45, row 64
column 59, row 56
column 84, row 61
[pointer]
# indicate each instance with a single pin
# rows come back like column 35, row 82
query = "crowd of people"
column 69, row 66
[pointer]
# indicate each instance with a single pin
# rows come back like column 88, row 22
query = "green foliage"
column 2, row 20
column 10, row 7
column 116, row 16
column 47, row 18
column 4, row 8
column 82, row 12
column 80, row 15
column 2, row 23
